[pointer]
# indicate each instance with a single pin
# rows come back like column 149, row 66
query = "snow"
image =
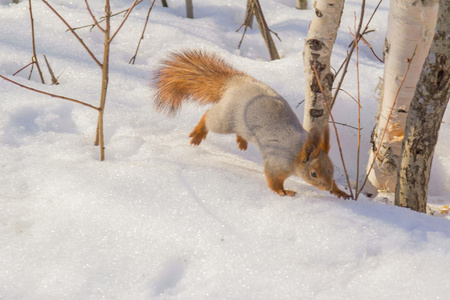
column 160, row 219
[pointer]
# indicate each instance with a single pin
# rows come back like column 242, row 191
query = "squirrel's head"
column 313, row 163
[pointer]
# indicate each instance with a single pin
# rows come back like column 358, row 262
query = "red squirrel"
column 253, row 111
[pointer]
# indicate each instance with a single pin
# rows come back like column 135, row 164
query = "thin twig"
column 350, row 95
column 102, row 19
column 34, row 58
column 136, row 2
column 49, row 94
column 335, row 130
column 247, row 21
column 93, row 17
column 52, row 75
column 133, row 59
column 254, row 7
column 32, row 68
column 358, row 154
column 17, row 72
column 265, row 31
column 346, row 125
column 387, row 121
column 347, row 59
column 362, row 36
column 74, row 33
column 371, row 49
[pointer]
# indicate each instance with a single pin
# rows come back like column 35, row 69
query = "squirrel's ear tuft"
column 325, row 140
column 311, row 147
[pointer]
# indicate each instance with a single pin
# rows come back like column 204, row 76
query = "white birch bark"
column 425, row 118
column 317, row 52
column 411, row 27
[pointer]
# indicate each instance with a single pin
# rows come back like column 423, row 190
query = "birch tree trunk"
column 410, row 32
column 425, row 117
column 317, row 52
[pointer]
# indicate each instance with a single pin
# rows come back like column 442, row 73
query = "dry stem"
column 344, row 65
column 34, row 59
column 133, row 59
column 93, row 17
column 255, row 8
column 335, row 130
column 52, row 75
column 359, row 110
column 49, row 94
column 136, row 2
column 102, row 19
column 74, row 33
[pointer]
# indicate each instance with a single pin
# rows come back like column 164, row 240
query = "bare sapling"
column 104, row 65
column 108, row 37
column 254, row 9
column 99, row 140
column 34, row 59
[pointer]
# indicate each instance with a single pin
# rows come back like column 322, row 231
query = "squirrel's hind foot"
column 242, row 143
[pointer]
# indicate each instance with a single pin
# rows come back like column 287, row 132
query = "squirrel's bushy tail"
column 190, row 74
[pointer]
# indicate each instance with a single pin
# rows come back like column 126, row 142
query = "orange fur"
column 191, row 74
column 199, row 133
column 242, row 143
column 315, row 142
column 276, row 183
column 325, row 140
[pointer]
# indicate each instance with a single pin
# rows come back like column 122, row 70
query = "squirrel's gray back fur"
column 257, row 113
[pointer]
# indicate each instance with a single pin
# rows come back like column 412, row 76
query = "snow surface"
column 160, row 219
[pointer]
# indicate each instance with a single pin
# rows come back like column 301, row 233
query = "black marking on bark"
column 439, row 78
column 317, row 65
column 315, row 45
column 316, row 113
column 315, row 88
column 328, row 81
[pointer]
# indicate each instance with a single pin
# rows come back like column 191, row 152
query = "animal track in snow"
column 171, row 274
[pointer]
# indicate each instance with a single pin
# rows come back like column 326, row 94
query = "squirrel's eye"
column 313, row 174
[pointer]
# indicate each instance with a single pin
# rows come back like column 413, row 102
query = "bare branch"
column 133, row 59
column 21, row 69
column 358, row 154
column 93, row 17
column 52, row 75
column 347, row 59
column 102, row 19
column 34, row 58
column 49, row 94
column 247, row 21
column 74, row 33
column 254, row 8
column 136, row 2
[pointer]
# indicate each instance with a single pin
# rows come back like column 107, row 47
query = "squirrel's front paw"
column 286, row 193
column 340, row 194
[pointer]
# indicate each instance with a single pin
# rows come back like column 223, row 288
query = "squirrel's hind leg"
column 276, row 183
column 242, row 143
column 200, row 131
